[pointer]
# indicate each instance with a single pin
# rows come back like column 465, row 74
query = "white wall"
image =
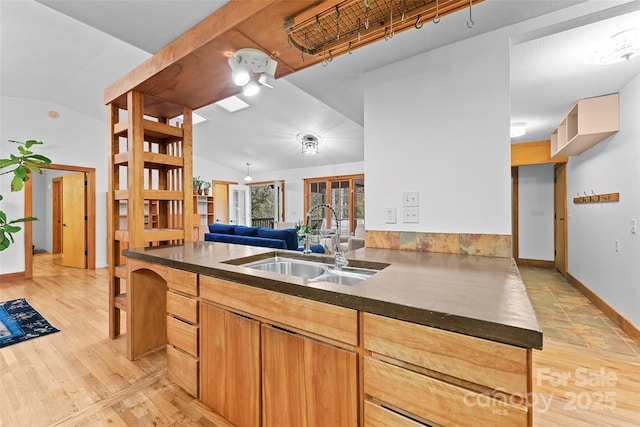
column 439, row 123
column 536, row 210
column 610, row 166
column 72, row 139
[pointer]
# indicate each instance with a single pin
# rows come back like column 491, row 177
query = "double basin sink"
column 312, row 270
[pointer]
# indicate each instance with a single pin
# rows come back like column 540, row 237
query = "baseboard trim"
column 535, row 262
column 617, row 318
column 10, row 277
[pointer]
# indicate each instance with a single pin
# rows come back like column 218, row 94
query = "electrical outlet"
column 411, row 198
column 617, row 245
column 634, row 226
column 410, row 214
column 390, row 215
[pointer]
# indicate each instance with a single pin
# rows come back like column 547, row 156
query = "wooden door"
column 230, row 365
column 560, row 218
column 306, row 382
column 74, row 221
column 56, row 215
column 220, row 198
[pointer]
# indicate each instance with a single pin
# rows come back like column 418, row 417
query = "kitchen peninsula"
column 430, row 338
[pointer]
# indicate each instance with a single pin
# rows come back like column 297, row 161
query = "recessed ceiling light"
column 232, row 104
column 518, row 129
column 620, row 47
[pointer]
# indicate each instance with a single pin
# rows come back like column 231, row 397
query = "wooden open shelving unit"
column 150, row 187
column 203, row 215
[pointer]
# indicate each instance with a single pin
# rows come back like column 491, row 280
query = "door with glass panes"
column 344, row 193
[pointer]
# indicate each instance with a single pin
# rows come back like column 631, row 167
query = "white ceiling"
column 60, row 57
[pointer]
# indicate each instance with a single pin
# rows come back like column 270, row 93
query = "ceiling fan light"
column 620, row 47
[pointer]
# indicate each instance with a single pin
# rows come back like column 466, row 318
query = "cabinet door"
column 306, row 382
column 230, row 365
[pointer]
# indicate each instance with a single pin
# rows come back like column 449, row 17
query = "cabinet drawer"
column 326, row 320
column 182, row 281
column 183, row 307
column 484, row 362
column 377, row 416
column 182, row 369
column 182, row 335
column 437, row 401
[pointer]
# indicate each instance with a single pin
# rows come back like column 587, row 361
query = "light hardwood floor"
column 79, row 377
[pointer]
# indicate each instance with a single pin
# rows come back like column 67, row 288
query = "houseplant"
column 206, row 185
column 197, row 184
column 23, row 164
column 302, row 229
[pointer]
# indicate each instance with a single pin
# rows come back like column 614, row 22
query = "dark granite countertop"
column 473, row 295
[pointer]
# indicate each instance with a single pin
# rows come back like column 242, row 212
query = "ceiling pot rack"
column 333, row 28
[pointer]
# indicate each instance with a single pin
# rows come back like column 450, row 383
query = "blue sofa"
column 256, row 236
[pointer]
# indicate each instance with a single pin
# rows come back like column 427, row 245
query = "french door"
column 344, row 193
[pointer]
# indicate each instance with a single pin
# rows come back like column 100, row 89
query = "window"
column 345, row 194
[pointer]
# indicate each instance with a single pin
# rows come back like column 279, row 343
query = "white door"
column 239, row 205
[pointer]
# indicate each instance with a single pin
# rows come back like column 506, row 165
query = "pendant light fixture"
column 248, row 177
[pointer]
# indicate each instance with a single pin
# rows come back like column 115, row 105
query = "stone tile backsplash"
column 497, row 245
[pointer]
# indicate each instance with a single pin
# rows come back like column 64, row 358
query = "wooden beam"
column 216, row 24
column 533, row 153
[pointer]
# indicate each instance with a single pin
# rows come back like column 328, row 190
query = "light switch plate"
column 390, row 215
column 411, row 198
column 410, row 214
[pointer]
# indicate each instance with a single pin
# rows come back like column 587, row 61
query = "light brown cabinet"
column 248, row 363
column 183, row 328
column 230, row 365
column 474, row 381
column 307, row 382
column 264, row 358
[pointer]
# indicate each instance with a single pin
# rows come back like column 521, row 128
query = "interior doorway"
column 536, row 155
column 74, row 218
column 89, row 209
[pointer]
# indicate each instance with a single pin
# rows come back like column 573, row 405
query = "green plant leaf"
column 11, row 228
column 4, row 242
column 27, row 219
column 32, row 142
column 24, row 151
column 7, row 162
column 17, row 183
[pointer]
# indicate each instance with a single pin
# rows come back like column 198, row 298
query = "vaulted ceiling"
column 63, row 58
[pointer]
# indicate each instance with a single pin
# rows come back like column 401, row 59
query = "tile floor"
column 566, row 315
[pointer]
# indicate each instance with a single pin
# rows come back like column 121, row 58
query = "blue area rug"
column 20, row 322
